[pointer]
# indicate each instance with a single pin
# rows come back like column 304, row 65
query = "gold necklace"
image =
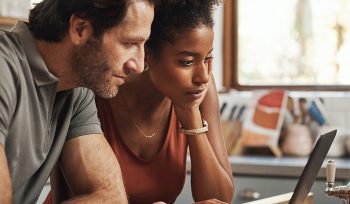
column 138, row 127
column 155, row 132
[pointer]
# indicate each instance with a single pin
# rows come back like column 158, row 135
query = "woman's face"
column 182, row 69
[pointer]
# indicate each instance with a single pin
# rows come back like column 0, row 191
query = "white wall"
column 218, row 46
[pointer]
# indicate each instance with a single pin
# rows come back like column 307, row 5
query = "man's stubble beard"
column 90, row 65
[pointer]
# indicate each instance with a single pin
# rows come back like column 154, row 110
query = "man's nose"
column 134, row 66
column 137, row 62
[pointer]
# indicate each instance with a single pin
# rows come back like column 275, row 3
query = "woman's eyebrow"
column 189, row 53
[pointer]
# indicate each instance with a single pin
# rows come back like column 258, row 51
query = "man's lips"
column 121, row 78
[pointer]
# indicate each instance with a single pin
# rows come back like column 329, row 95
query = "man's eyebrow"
column 136, row 39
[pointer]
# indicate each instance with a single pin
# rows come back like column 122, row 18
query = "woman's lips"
column 196, row 91
column 195, row 94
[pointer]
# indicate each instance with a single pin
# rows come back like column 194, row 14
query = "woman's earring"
column 146, row 67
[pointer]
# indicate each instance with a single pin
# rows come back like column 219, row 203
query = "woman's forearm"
column 211, row 174
column 208, row 177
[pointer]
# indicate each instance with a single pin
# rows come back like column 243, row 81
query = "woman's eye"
column 186, row 62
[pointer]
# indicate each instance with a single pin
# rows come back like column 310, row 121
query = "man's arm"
column 5, row 184
column 92, row 171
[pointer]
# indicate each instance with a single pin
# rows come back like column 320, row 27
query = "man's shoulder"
column 82, row 91
column 81, row 95
column 9, row 50
column 9, row 41
column 6, row 35
column 3, row 31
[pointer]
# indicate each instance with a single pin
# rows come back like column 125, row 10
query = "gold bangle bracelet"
column 197, row 130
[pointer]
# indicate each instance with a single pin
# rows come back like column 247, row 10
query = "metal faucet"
column 342, row 192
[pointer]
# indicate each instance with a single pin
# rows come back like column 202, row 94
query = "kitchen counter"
column 268, row 176
column 281, row 167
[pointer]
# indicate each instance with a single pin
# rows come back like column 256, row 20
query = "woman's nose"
column 201, row 75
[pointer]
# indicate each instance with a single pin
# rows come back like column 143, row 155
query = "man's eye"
column 207, row 59
column 132, row 43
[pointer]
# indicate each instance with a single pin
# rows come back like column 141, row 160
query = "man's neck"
column 56, row 58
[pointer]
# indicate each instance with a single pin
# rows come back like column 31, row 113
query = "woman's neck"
column 141, row 96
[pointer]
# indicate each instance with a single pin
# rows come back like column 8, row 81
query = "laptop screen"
column 312, row 167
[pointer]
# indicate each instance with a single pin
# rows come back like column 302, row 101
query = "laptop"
column 308, row 175
column 312, row 167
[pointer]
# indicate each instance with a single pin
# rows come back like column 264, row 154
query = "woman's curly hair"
column 178, row 16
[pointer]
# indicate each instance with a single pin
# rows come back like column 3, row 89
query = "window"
column 290, row 43
column 35, row 2
column 14, row 8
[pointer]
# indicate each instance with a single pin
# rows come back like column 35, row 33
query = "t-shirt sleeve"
column 7, row 94
column 85, row 120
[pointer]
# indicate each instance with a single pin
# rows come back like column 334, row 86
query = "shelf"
column 279, row 167
column 8, row 21
column 283, row 167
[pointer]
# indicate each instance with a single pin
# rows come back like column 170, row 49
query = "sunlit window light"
column 294, row 42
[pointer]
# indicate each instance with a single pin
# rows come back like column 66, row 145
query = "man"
column 45, row 113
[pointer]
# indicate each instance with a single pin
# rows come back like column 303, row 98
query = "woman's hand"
column 196, row 103
column 211, row 201
column 189, row 112
column 189, row 118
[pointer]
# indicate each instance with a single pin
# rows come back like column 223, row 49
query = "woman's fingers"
column 211, row 201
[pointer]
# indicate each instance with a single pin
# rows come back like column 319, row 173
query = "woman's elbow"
column 224, row 193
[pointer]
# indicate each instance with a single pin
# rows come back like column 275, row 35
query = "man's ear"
column 79, row 30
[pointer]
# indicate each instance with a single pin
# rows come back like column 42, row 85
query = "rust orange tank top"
column 160, row 179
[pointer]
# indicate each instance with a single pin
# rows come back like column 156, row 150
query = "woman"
column 176, row 91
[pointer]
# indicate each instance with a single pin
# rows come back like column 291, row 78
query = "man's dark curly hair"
column 177, row 16
column 49, row 19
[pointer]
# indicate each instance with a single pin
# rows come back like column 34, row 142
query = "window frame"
column 230, row 58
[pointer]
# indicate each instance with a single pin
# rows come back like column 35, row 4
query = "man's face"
column 103, row 64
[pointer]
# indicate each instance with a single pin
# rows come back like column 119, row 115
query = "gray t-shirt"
column 35, row 119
